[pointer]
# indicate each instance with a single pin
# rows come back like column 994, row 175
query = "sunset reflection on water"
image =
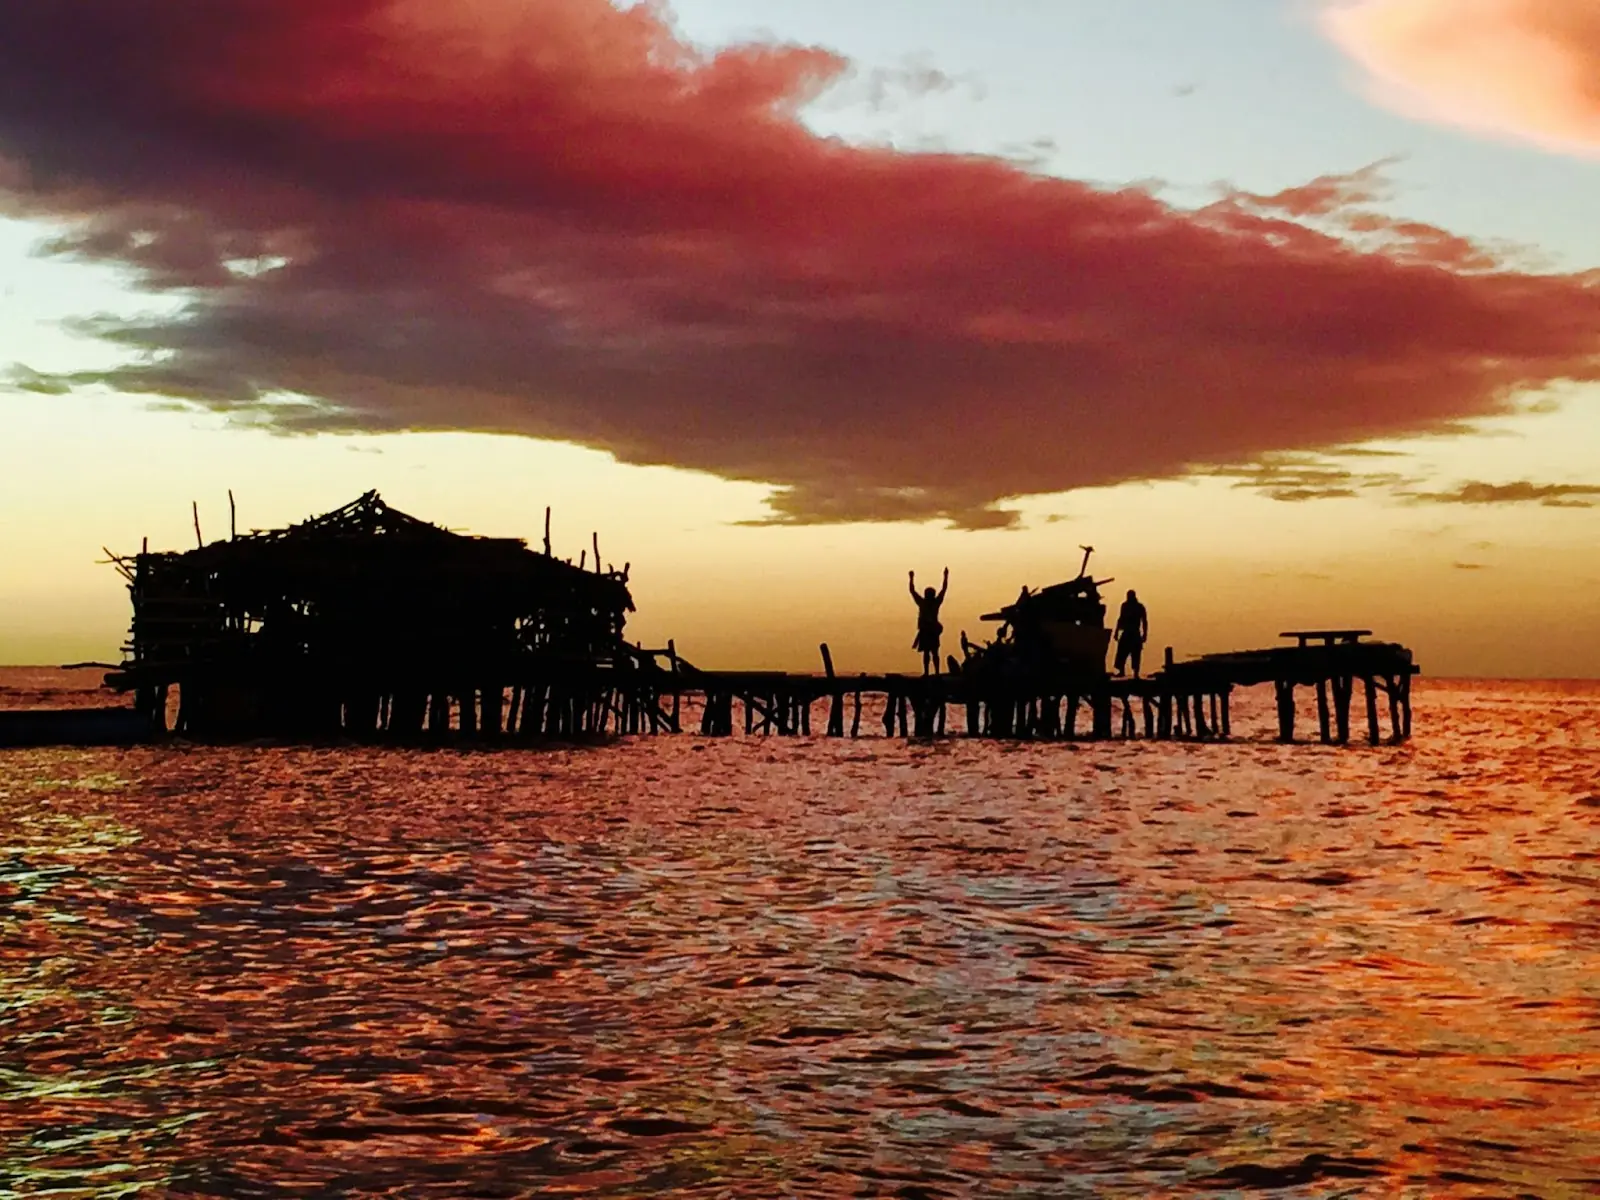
column 812, row 968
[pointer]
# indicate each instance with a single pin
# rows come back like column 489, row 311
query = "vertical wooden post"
column 1002, row 715
column 1370, row 687
column 1227, row 714
column 408, row 713
column 362, row 712
column 855, row 719
column 1285, row 691
column 1101, row 702
column 547, row 531
column 157, row 712
column 1324, row 720
column 1343, row 687
column 677, row 694
column 836, row 699
column 533, row 717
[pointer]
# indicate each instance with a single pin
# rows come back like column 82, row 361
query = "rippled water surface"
column 812, row 968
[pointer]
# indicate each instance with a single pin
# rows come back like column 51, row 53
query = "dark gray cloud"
column 561, row 221
column 1295, row 478
column 1550, row 495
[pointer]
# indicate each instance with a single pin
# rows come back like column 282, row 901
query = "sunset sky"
column 1292, row 309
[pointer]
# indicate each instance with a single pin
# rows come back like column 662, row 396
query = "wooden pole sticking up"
column 547, row 531
column 198, row 540
column 233, row 517
column 597, row 567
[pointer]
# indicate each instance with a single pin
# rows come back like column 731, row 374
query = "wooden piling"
column 1285, row 694
column 835, row 698
column 1343, row 687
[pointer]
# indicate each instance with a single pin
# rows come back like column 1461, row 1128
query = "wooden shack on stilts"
column 368, row 621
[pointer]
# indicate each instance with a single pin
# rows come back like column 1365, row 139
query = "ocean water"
column 811, row 968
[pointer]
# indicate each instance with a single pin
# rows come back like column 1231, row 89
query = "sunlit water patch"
column 812, row 968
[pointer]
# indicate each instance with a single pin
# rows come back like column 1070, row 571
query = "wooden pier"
column 658, row 693
column 1190, row 700
column 369, row 624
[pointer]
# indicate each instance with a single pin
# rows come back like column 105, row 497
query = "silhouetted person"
column 928, row 627
column 1133, row 630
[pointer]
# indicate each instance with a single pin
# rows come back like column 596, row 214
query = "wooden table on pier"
column 1327, row 637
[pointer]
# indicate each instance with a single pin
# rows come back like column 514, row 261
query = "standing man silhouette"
column 1133, row 630
column 928, row 627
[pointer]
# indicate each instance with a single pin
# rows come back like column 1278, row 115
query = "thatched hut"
column 360, row 620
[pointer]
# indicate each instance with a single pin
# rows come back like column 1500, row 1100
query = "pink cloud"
column 1525, row 68
column 560, row 220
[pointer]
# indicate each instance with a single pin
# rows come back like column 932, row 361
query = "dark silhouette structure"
column 1132, row 632
column 1055, row 631
column 929, row 630
column 1001, row 696
column 360, row 620
column 367, row 623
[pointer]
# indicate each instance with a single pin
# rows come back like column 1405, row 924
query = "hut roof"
column 367, row 543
